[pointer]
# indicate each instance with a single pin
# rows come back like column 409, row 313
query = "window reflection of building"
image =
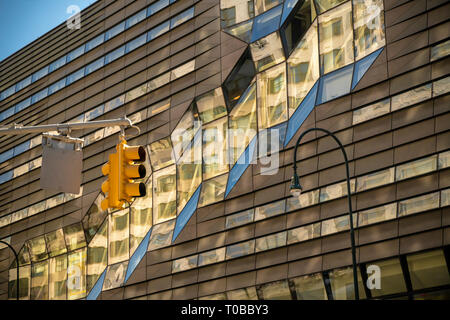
column 336, row 38
column 235, row 11
column 118, row 236
column 164, row 188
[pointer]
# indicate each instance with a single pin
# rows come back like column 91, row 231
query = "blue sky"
column 23, row 21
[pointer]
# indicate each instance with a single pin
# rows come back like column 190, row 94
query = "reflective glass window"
column 278, row 290
column 342, row 285
column 411, row 97
column 416, row 168
column 303, row 68
column 114, row 31
column 264, row 5
column 377, row 214
column 242, row 31
column 74, row 235
column 115, row 275
column 434, row 295
column 304, row 233
column 324, row 5
column 39, row 74
column 155, row 7
column 189, row 173
column 39, row 96
column 272, row 104
column 239, row 79
column 75, row 53
column 242, row 123
column 94, row 217
column 182, row 17
column 182, row 70
column 267, row 51
column 138, row 17
column 232, row 12
column 74, row 76
column 57, row 86
column 27, row 81
column 445, row 197
column 376, row 179
column 335, row 84
column 335, row 191
column 8, row 113
column 310, row 287
column 243, row 294
column 270, row 242
column 114, row 103
column 217, row 296
column 56, row 64
column 7, row 92
column 428, row 269
column 215, row 156
column 76, row 274
column 97, row 256
column 368, row 24
column 38, row 249
column 157, row 31
column 372, row 111
column 211, row 105
column 304, row 200
column 58, row 278
column 161, row 154
column 113, row 55
column 213, row 190
column 56, row 244
column 135, row 43
column 440, row 50
column 39, row 281
column 338, row 224
column 336, row 38
column 136, row 93
column 161, row 235
column 184, row 263
column 19, row 215
column 118, row 236
column 266, row 23
column 184, row 132
column 392, row 280
column 298, row 23
column 21, row 148
column 270, row 210
column 141, row 218
column 212, row 256
column 98, row 40
column 94, row 113
column 239, row 219
column 418, row 204
column 97, row 64
column 24, row 286
column 164, row 194
column 441, row 86
column 36, row 208
column 240, row 249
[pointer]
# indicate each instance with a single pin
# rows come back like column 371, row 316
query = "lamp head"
column 296, row 188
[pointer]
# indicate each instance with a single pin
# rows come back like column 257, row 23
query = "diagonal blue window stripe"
column 241, row 164
column 288, row 6
column 335, row 84
column 186, row 213
column 95, row 291
column 363, row 65
column 137, row 255
column 302, row 112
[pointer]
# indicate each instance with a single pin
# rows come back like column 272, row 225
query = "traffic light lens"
column 142, row 189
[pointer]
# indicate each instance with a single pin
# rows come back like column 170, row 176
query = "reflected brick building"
column 191, row 74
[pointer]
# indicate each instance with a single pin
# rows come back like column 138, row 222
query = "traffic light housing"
column 122, row 169
column 131, row 158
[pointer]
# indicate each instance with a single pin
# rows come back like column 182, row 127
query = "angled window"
column 75, row 53
column 138, row 17
column 267, row 51
column 98, row 40
column 310, row 287
column 213, row 190
column 232, row 12
column 39, row 281
column 161, row 154
column 336, row 38
column 428, row 269
column 57, row 289
column 27, row 81
column 215, row 155
column 97, row 256
column 303, row 68
column 56, row 65
column 164, row 194
column 114, row 31
column 118, row 236
column 76, row 274
column 278, row 290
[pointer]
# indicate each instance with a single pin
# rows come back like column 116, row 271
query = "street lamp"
column 296, row 190
column 17, row 264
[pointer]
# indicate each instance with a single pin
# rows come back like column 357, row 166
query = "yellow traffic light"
column 131, row 169
column 122, row 169
column 111, row 186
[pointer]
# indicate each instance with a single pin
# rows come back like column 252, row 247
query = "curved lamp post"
column 296, row 190
column 17, row 264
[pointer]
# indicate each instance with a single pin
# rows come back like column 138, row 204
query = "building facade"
column 221, row 91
